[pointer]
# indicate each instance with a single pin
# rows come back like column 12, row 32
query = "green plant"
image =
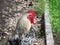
column 39, row 7
column 54, row 7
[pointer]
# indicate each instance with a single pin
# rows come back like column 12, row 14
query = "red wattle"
column 31, row 19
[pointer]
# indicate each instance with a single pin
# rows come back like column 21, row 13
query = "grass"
column 39, row 7
column 54, row 8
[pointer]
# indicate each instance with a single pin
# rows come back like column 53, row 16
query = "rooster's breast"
column 24, row 24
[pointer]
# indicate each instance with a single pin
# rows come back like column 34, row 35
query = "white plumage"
column 23, row 24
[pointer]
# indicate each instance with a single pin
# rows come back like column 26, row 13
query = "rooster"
column 24, row 26
column 25, row 22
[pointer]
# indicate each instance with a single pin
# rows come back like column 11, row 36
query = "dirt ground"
column 9, row 15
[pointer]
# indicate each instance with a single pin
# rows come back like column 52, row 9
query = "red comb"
column 31, row 12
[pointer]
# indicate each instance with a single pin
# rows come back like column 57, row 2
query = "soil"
column 9, row 16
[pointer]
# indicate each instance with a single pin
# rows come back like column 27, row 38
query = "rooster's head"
column 31, row 16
